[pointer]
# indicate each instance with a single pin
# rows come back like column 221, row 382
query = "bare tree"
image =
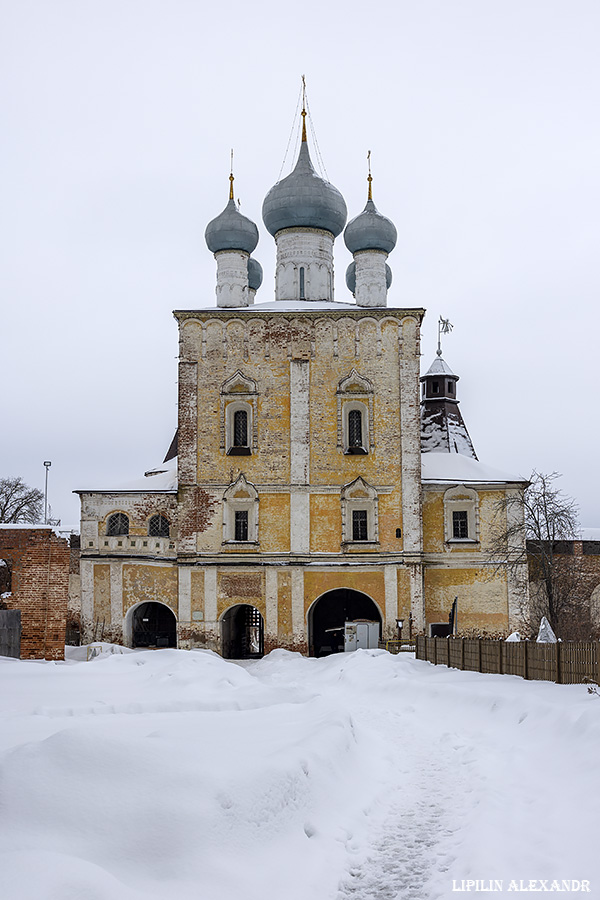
column 534, row 532
column 19, row 503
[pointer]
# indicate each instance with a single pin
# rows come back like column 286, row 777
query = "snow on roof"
column 590, row 534
column 25, row 525
column 439, row 367
column 454, row 467
column 163, row 481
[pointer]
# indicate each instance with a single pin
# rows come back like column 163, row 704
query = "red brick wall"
column 40, row 587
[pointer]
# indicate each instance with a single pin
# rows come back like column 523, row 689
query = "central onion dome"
column 369, row 230
column 304, row 200
column 231, row 230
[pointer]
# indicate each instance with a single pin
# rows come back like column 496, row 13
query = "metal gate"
column 10, row 633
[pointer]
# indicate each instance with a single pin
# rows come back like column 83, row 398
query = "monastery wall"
column 39, row 563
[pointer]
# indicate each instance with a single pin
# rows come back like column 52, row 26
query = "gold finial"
column 303, row 113
column 369, row 176
column 231, row 179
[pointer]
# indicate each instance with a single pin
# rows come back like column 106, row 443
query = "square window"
column 460, row 523
column 359, row 525
column 241, row 525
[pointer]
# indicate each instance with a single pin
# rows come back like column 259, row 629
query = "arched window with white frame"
column 239, row 432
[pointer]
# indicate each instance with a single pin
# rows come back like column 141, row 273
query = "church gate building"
column 315, row 477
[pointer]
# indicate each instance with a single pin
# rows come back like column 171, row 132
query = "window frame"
column 461, row 499
column 111, row 517
column 239, row 393
column 359, row 496
column 240, row 496
column 355, row 393
column 164, row 519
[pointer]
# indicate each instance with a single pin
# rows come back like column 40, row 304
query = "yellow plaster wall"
column 370, row 582
column 240, row 586
column 482, row 601
column 274, row 522
column 433, row 522
column 284, row 603
column 197, row 590
column 325, row 523
column 390, row 518
column 102, row 593
column 143, row 584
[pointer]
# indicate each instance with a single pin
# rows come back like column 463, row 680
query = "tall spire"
column 369, row 176
column 231, row 178
column 303, row 113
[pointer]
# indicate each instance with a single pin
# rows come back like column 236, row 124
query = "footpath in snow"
column 181, row 776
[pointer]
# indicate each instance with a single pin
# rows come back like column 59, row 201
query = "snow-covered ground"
column 178, row 775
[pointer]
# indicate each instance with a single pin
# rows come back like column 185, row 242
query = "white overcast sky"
column 118, row 117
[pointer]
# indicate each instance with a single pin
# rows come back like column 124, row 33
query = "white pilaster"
column 298, row 626
column 185, row 594
column 271, row 623
column 390, row 576
column 299, row 454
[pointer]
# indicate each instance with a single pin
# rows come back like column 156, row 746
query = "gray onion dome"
column 351, row 277
column 255, row 274
column 304, row 200
column 370, row 231
column 231, row 231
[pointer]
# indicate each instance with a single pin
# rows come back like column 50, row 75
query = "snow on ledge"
column 454, row 467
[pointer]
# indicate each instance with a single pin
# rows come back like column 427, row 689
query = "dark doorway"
column 242, row 632
column 328, row 614
column 439, row 629
column 153, row 625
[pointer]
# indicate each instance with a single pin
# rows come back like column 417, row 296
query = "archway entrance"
column 242, row 633
column 328, row 614
column 153, row 625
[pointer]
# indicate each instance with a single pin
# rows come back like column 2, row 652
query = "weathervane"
column 445, row 326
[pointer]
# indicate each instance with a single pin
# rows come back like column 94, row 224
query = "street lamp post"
column 47, row 464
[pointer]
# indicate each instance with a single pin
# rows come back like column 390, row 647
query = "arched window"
column 159, row 526
column 302, row 289
column 118, row 523
column 240, row 428
column 355, row 438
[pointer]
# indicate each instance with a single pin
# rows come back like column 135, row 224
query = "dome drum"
column 369, row 278
column 304, row 268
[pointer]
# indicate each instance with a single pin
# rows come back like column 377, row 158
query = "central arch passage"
column 328, row 614
column 242, row 633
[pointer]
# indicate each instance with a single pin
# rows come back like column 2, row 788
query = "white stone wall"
column 232, row 278
column 311, row 250
column 371, row 286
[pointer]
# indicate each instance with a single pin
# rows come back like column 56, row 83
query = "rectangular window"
column 460, row 524
column 359, row 525
column 241, row 524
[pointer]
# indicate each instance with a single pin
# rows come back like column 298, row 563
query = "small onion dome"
column 351, row 277
column 370, row 231
column 255, row 274
column 231, row 231
column 304, row 200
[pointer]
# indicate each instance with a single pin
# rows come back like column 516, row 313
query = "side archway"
column 329, row 613
column 150, row 624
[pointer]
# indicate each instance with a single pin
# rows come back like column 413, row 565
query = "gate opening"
column 242, row 633
column 328, row 615
column 153, row 625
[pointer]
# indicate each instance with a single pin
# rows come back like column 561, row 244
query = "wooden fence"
column 564, row 662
